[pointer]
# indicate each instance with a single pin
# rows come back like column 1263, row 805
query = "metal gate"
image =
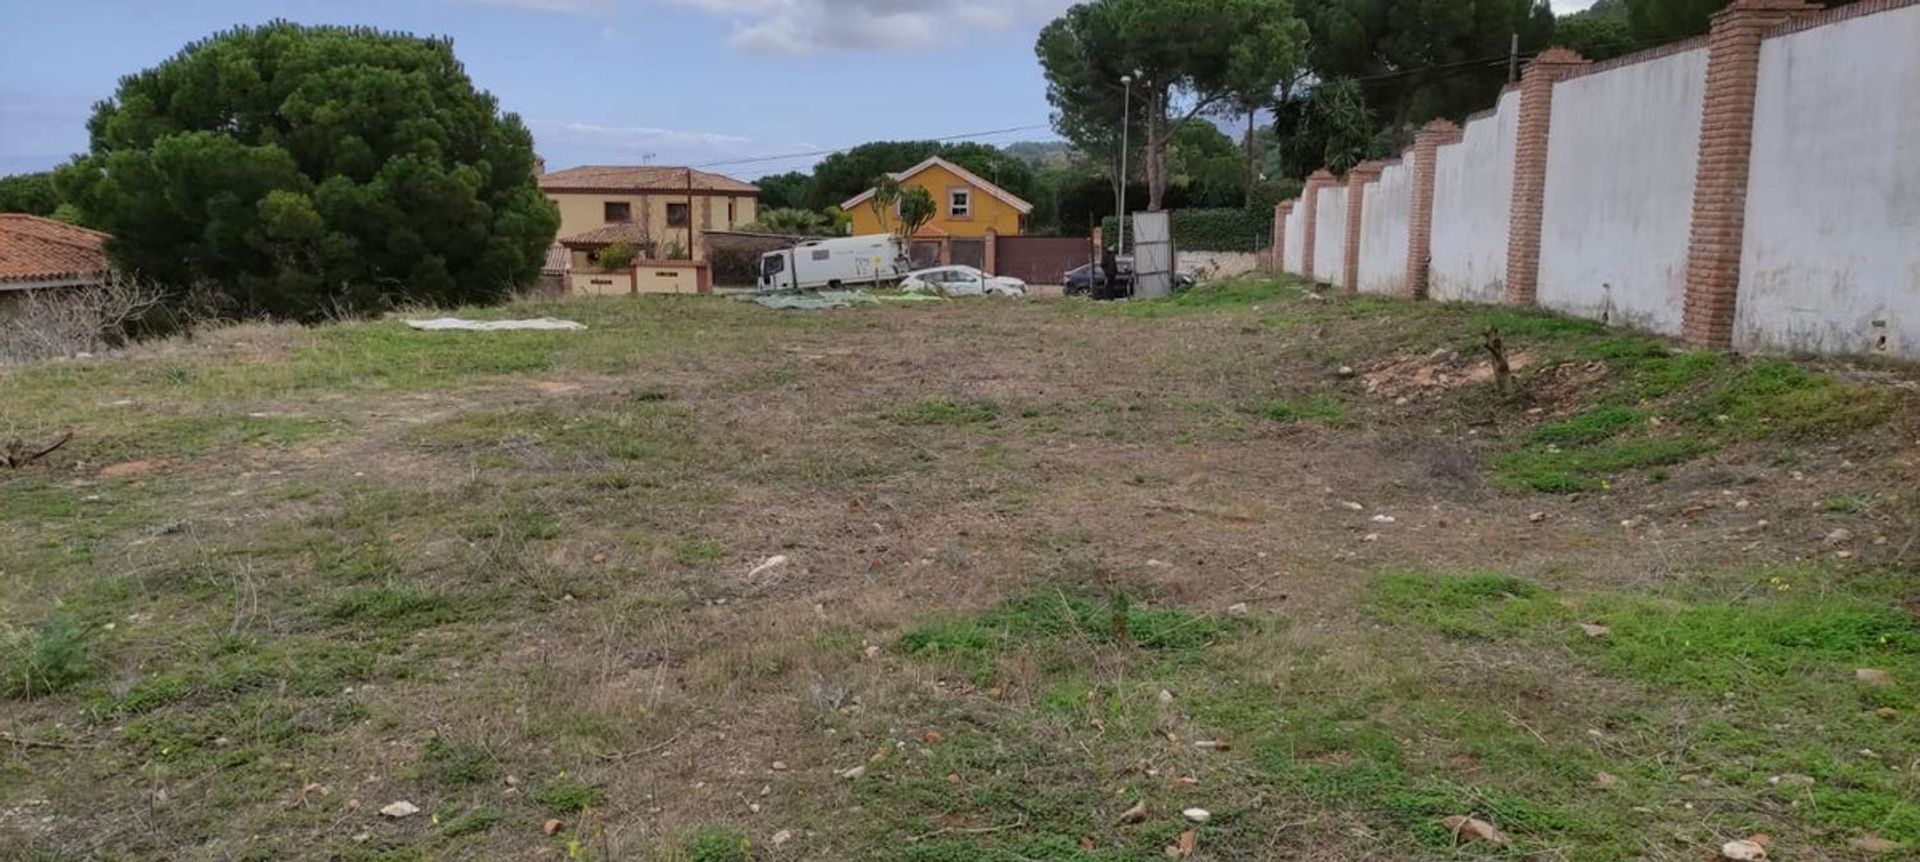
column 1040, row 259
column 969, row 252
column 1152, row 255
column 923, row 254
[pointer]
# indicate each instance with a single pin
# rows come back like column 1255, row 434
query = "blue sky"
column 670, row 82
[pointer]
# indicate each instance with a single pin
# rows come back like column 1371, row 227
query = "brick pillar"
column 1357, row 180
column 992, row 239
column 1530, row 170
column 1281, row 213
column 1426, row 147
column 1720, row 170
column 1310, row 197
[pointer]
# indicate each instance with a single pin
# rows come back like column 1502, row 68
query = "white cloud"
column 806, row 26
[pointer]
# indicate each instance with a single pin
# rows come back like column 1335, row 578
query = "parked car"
column 1090, row 279
column 961, row 281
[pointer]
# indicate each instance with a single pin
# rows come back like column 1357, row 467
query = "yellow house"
column 667, row 209
column 969, row 212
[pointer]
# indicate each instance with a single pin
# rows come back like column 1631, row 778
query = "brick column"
column 1280, row 215
column 1530, row 170
column 1310, row 198
column 1426, row 146
column 1357, row 180
column 991, row 252
column 1720, row 171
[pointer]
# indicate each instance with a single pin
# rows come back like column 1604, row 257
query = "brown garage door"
column 1040, row 259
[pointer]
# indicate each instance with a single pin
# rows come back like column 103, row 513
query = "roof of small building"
column 41, row 249
column 620, row 231
column 970, row 177
column 641, row 178
column 558, row 257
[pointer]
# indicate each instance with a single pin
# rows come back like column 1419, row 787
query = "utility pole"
column 1120, row 205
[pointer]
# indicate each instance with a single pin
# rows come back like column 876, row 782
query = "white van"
column 836, row 262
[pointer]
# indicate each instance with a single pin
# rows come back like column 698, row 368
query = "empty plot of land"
column 1244, row 574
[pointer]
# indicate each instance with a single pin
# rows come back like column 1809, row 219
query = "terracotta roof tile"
column 558, row 257
column 623, row 231
column 639, row 178
column 39, row 249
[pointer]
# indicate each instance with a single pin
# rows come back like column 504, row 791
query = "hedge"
column 1213, row 229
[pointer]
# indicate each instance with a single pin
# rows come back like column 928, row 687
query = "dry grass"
column 506, row 577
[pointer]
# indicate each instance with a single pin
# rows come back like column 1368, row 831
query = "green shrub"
column 567, row 796
column 1213, row 229
column 48, row 660
column 718, row 844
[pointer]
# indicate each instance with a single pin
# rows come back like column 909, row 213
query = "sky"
column 668, row 82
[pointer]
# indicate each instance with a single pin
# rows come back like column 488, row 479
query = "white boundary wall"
column 1472, row 196
column 1830, row 256
column 1330, row 236
column 1619, row 199
column 1832, row 240
column 1295, row 237
column 1385, row 213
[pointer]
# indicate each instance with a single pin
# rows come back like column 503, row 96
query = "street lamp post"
column 1120, row 203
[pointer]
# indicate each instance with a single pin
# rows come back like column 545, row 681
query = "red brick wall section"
column 1530, row 170
column 1426, row 145
column 1720, row 173
column 1357, row 180
column 1310, row 195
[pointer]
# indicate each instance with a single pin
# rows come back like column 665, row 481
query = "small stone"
column 1595, row 630
column 779, row 766
column 1345, row 371
column 1742, row 504
column 397, row 810
column 1743, row 850
column 1166, row 696
column 1887, row 712
column 767, row 565
column 513, row 781
column 1791, row 779
column 1840, row 536
column 853, row 773
column 1475, row 829
column 1873, row 676
column 552, row 827
column 1238, row 609
column 1197, row 815
column 1352, row 506
column 1605, row 779
column 781, row 837
column 1383, row 519
column 1537, row 517
column 1136, row 814
column 1370, row 537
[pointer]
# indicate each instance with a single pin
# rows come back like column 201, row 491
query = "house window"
column 960, row 203
column 679, row 215
column 617, row 211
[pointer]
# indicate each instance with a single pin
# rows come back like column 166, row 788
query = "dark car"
column 1091, row 280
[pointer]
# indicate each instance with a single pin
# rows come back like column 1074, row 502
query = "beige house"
column 666, row 210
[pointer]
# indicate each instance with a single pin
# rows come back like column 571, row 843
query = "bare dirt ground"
column 965, row 581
